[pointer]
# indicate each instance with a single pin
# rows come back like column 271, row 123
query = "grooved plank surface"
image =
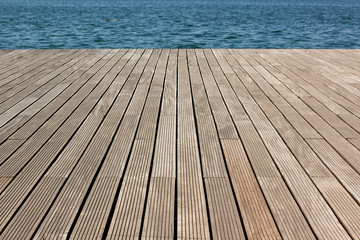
column 180, row 144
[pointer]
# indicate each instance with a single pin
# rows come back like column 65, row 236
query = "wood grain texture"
column 180, row 144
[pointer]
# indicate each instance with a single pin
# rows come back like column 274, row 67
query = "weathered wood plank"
column 41, row 82
column 224, row 219
column 110, row 173
column 192, row 219
column 91, row 160
column 306, row 192
column 257, row 219
column 179, row 144
column 37, row 167
column 127, row 221
column 160, row 206
column 293, row 223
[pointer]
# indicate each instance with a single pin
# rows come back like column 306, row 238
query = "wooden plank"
column 39, row 164
column 306, row 157
column 4, row 181
column 287, row 102
column 342, row 94
column 26, row 124
column 24, row 154
column 159, row 220
column 113, row 166
column 331, row 58
column 357, row 85
column 76, row 81
column 211, row 156
column 224, row 218
column 159, row 217
column 128, row 221
column 343, row 204
column 18, row 55
column 257, row 219
column 331, row 99
column 192, row 219
column 355, row 142
column 19, row 58
column 8, row 54
column 345, row 174
column 5, row 51
column 332, row 202
column 333, row 137
column 16, row 86
column 351, row 120
column 29, row 68
column 316, row 169
column 69, row 161
column 293, row 223
column 185, row 144
column 337, row 123
column 348, row 151
column 296, row 79
column 309, row 199
column 334, row 60
column 165, row 152
column 40, row 82
column 8, row 147
column 337, row 81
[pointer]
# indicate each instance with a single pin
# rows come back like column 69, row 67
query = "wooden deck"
column 179, row 144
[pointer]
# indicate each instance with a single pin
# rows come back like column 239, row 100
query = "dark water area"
column 179, row 24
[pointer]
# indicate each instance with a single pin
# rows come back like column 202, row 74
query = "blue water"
column 179, row 24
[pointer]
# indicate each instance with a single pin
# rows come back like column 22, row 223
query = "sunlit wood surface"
column 179, row 144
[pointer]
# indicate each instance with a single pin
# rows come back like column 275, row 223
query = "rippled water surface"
column 179, row 24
